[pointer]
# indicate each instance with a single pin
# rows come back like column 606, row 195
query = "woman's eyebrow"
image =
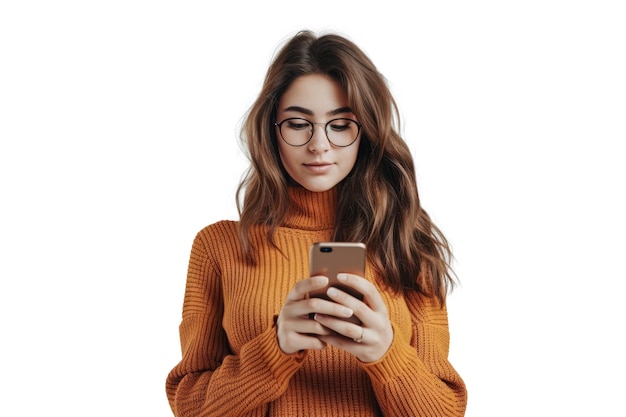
column 299, row 110
column 340, row 110
column 306, row 111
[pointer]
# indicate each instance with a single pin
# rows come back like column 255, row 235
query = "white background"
column 118, row 128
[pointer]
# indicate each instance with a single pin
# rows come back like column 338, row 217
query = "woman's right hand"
column 295, row 330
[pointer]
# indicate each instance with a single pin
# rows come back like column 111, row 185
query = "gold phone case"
column 332, row 258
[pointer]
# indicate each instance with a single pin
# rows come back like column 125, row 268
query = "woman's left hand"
column 368, row 341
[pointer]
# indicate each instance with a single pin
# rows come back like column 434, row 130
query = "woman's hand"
column 368, row 341
column 295, row 330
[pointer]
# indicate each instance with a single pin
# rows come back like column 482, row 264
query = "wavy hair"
column 378, row 202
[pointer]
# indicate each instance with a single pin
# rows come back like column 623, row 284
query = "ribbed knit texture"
column 232, row 365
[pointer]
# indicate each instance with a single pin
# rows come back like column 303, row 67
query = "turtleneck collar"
column 311, row 210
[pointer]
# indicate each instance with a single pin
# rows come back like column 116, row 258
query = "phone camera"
column 326, row 249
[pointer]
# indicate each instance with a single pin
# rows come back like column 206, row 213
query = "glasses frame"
column 280, row 130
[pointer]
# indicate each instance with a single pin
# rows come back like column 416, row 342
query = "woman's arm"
column 210, row 380
column 415, row 377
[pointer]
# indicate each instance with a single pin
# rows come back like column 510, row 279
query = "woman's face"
column 317, row 165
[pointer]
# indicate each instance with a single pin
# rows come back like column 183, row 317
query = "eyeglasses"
column 341, row 132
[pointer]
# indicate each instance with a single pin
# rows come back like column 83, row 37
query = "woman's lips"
column 318, row 167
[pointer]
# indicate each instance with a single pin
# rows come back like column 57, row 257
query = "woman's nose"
column 319, row 141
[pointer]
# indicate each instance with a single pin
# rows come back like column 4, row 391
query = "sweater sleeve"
column 415, row 377
column 210, row 380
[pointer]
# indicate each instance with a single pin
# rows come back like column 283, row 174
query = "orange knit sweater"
column 232, row 365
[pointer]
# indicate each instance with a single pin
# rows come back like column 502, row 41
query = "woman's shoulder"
column 218, row 237
column 219, row 229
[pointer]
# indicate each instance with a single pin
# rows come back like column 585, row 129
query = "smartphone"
column 332, row 258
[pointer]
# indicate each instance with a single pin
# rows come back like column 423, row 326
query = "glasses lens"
column 342, row 132
column 296, row 132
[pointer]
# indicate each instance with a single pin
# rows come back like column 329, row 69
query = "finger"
column 371, row 296
column 303, row 287
column 305, row 327
column 342, row 327
column 292, row 342
column 368, row 346
column 303, row 308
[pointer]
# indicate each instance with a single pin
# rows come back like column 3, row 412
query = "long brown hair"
column 378, row 202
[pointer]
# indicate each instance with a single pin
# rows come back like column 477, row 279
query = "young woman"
column 327, row 164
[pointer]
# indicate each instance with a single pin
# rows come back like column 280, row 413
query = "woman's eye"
column 339, row 127
column 297, row 126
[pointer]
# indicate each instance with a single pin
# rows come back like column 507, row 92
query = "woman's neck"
column 311, row 210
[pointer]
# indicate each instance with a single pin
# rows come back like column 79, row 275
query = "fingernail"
column 332, row 292
column 342, row 277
